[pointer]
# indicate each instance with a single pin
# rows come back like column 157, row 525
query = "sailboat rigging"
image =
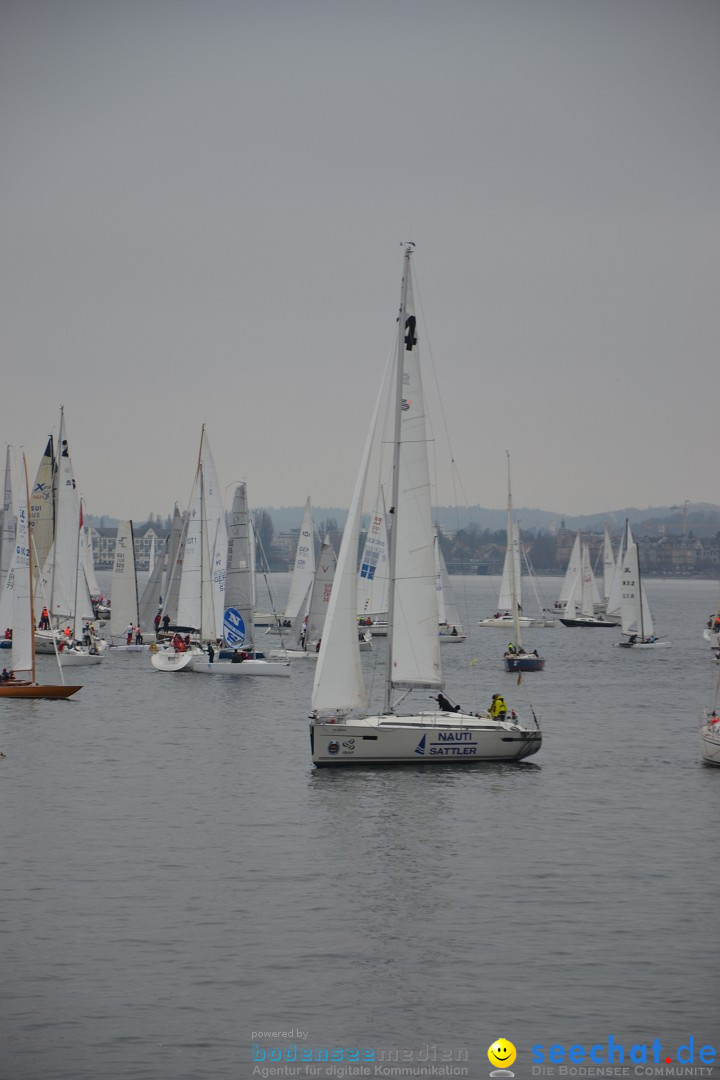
column 23, row 641
column 342, row 730
column 516, row 657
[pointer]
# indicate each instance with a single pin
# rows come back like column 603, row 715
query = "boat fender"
column 153, row 647
column 332, row 720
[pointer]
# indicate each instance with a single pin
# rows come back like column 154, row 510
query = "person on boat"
column 211, row 652
column 445, row 705
column 44, row 619
column 129, row 633
column 138, row 636
column 238, row 657
column 453, row 632
column 166, row 623
column 156, row 623
column 632, row 639
column 511, row 647
column 8, row 633
column 498, row 707
column 6, row 676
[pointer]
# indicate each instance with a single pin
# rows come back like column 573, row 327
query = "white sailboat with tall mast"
column 449, row 621
column 580, row 604
column 238, row 630
column 202, row 571
column 636, row 620
column 305, row 635
column 512, row 570
column 124, row 604
column 63, row 580
column 24, row 683
column 516, row 656
column 342, row 730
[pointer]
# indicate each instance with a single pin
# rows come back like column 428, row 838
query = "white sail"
column 240, row 585
column 571, row 574
column 7, row 518
column 84, row 612
column 634, row 610
column 303, row 570
column 151, row 599
column 296, row 638
column 374, row 573
column 202, row 582
column 505, row 596
column 124, row 608
column 89, row 563
column 608, row 566
column 217, row 548
column 321, row 593
column 189, row 612
column 176, row 558
column 339, row 685
column 413, row 616
column 613, row 603
column 448, row 612
column 42, row 507
column 587, row 583
column 60, row 574
column 23, row 661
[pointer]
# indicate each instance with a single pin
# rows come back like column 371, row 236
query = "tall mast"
column 401, row 341
column 511, row 550
column 30, row 569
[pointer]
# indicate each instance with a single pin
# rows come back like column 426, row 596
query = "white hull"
column 169, row 660
column 712, row 637
column 129, row 648
column 448, row 639
column 44, row 642
column 311, row 654
column 201, row 666
column 710, row 743
column 292, row 654
column 524, row 621
column 444, row 738
column 79, row 659
column 642, row 645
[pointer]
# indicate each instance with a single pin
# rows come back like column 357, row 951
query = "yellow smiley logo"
column 502, row 1053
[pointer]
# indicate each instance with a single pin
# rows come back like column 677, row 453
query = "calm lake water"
column 175, row 876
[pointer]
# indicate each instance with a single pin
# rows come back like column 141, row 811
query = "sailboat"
column 23, row 641
column 124, row 605
column 238, row 630
column 373, row 583
column 201, row 592
column 63, row 580
column 303, row 571
column 635, row 618
column 451, row 627
column 710, row 730
column 504, row 616
column 305, row 636
column 517, row 658
column 582, row 595
column 7, row 548
column 342, row 730
column 301, row 578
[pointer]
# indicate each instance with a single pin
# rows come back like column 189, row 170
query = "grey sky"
column 202, row 211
